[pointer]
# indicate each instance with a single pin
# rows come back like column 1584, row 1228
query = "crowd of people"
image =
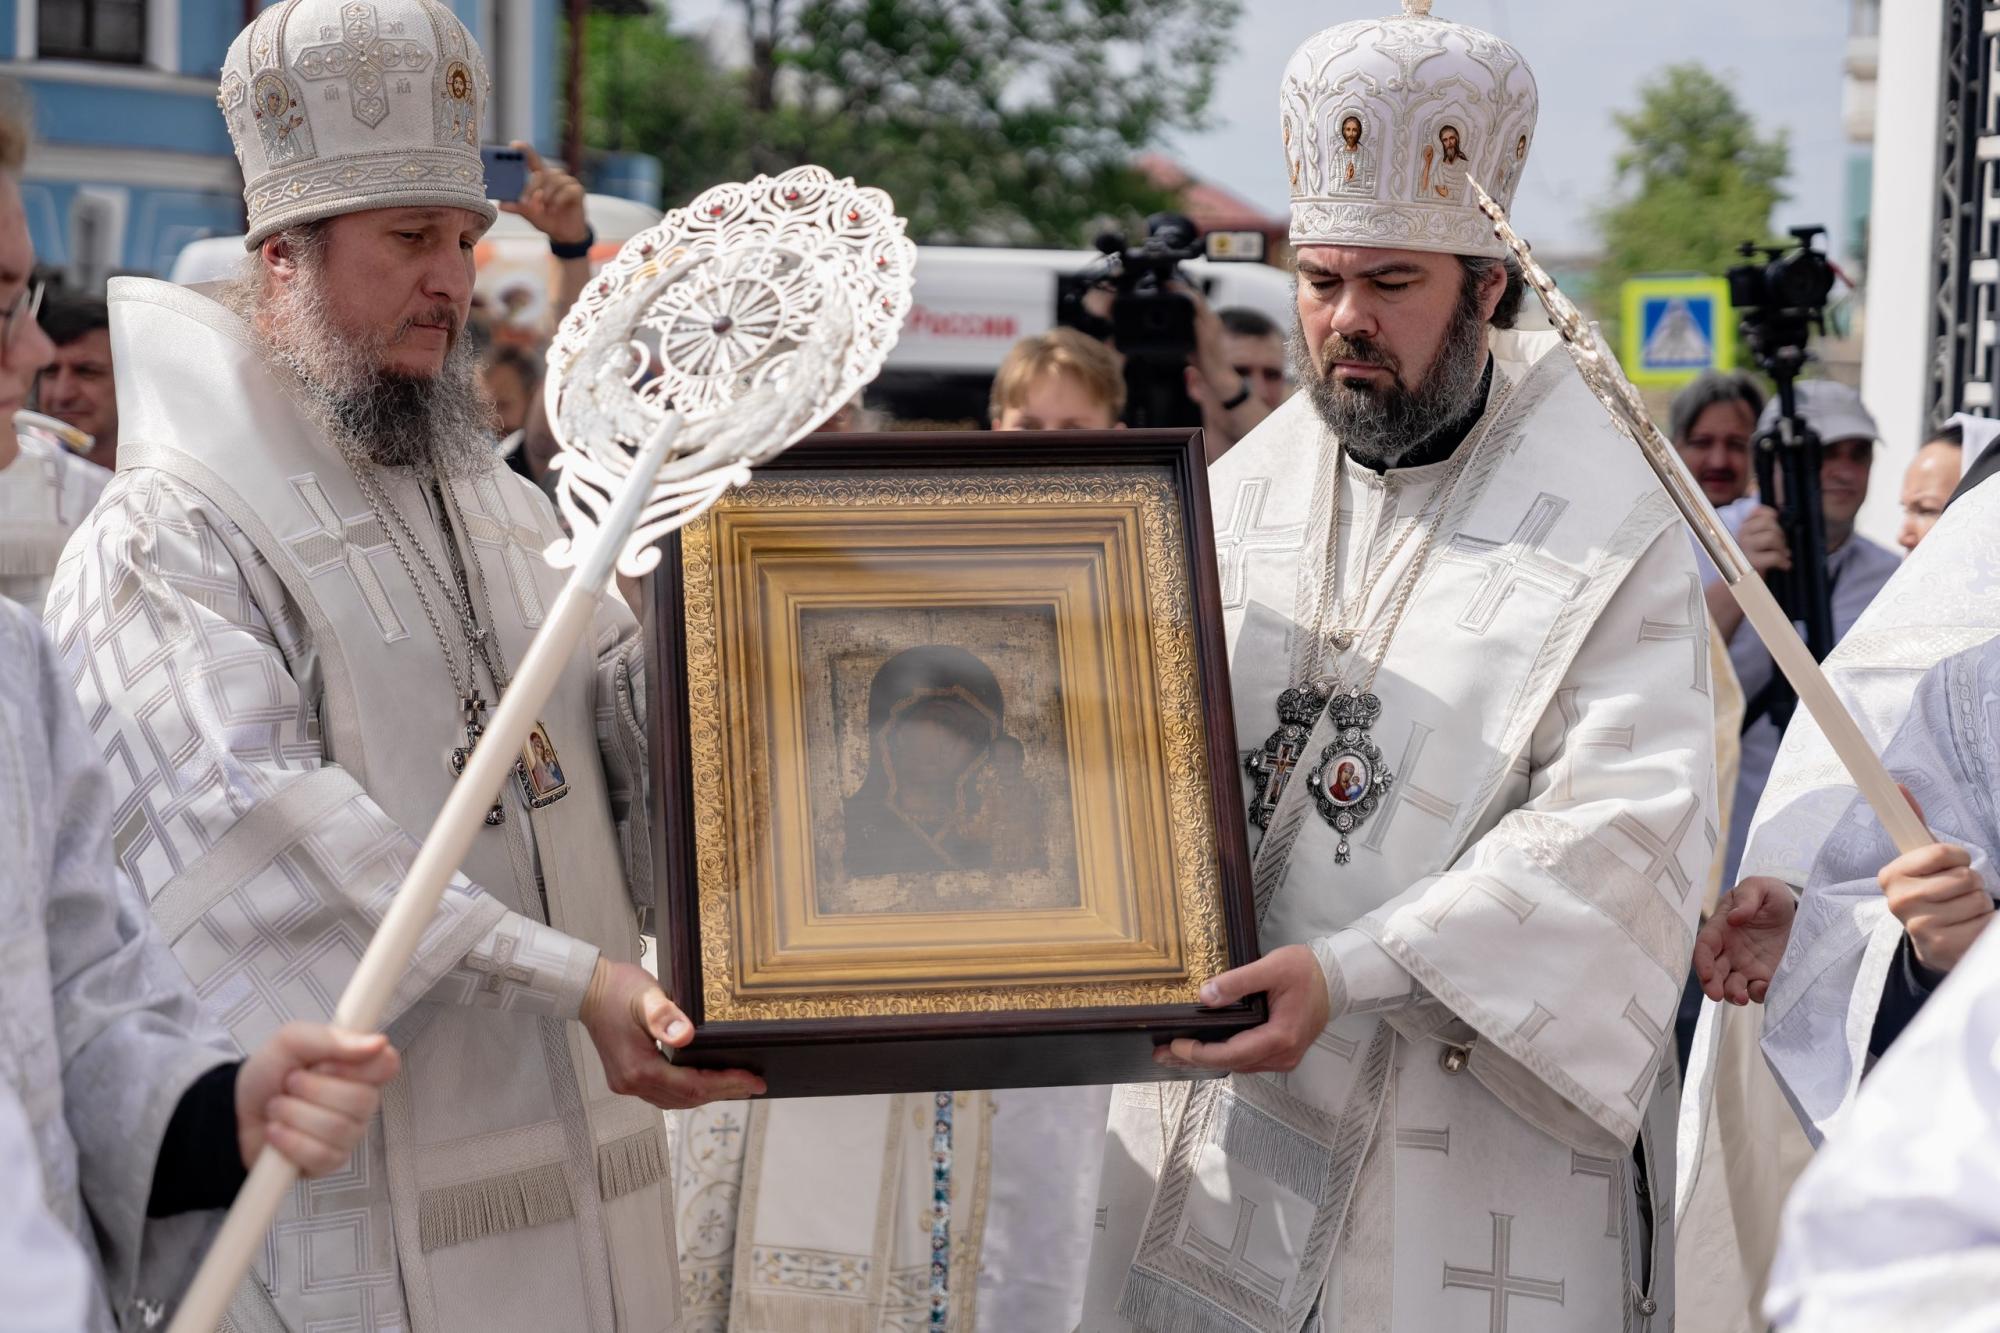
column 269, row 553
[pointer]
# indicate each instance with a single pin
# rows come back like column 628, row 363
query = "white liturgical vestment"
column 278, row 717
column 100, row 1032
column 1508, row 942
column 820, row 1212
column 1896, row 1223
column 44, row 493
column 1814, row 832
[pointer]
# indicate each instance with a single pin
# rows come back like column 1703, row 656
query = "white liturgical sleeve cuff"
column 526, row 966
column 1361, row 976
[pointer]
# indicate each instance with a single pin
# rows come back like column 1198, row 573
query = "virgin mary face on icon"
column 944, row 789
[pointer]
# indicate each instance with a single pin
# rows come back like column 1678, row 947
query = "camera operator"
column 1179, row 366
column 1236, row 375
column 1856, row 569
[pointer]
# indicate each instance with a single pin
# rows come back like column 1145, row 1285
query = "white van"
column 971, row 303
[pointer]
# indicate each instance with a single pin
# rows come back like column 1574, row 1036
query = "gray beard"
column 440, row 422
column 1379, row 427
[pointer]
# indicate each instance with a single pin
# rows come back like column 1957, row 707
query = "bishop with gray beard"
column 390, row 417
column 288, row 617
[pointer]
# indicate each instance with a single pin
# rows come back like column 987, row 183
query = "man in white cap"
column 1488, row 803
column 1856, row 569
column 287, row 621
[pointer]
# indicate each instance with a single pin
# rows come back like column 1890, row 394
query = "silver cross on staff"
column 1606, row 379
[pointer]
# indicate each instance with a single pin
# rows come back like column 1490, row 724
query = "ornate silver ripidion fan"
column 712, row 341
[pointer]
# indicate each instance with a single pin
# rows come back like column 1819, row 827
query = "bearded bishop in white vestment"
column 251, row 621
column 44, row 493
column 1896, row 1223
column 1504, row 916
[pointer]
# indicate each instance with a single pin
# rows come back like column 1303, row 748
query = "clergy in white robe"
column 119, row 1105
column 1478, row 882
column 286, row 621
column 1896, row 1224
column 1845, row 956
column 1846, row 951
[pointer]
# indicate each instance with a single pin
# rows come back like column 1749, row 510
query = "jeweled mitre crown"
column 1384, row 119
column 336, row 106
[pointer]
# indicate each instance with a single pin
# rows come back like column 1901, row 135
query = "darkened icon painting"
column 947, row 781
column 945, row 789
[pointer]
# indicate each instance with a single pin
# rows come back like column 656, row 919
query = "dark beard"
column 385, row 417
column 1379, row 426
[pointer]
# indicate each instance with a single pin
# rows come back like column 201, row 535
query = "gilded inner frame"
column 947, row 748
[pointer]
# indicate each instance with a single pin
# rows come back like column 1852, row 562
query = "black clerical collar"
column 1443, row 442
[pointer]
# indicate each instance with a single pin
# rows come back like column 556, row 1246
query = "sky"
column 1783, row 57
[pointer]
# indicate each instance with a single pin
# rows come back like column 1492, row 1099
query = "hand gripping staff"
column 710, row 342
column 1628, row 412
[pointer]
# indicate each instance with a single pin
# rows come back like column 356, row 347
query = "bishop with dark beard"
column 1461, row 608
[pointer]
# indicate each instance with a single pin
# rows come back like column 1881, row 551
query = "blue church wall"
column 158, row 222
column 101, row 124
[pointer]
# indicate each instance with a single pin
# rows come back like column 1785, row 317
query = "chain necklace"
column 1359, row 778
column 538, row 770
column 539, row 774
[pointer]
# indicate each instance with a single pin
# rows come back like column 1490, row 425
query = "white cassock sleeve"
column 1896, row 1224
column 199, row 684
column 119, row 1026
column 1562, row 934
column 1821, row 1010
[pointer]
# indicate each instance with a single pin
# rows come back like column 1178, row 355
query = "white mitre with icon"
column 1384, row 119
column 336, row 106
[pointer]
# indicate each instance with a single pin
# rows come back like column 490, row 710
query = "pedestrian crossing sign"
column 1675, row 328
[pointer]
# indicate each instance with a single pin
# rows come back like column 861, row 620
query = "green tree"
column 651, row 90
column 988, row 120
column 1696, row 179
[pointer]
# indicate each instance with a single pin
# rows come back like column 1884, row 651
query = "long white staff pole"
column 450, row 837
column 1628, row 412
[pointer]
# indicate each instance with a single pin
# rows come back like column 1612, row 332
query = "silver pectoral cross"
column 1271, row 766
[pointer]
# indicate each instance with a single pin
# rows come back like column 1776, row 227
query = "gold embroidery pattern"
column 1191, row 816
